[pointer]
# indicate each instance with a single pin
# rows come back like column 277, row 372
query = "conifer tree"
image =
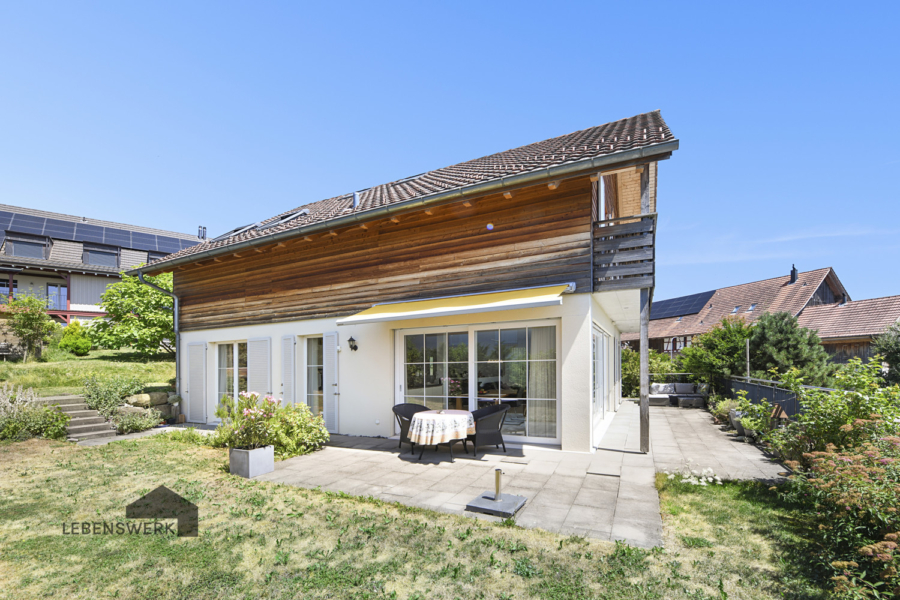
column 778, row 342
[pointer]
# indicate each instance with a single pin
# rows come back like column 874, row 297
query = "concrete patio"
column 608, row 495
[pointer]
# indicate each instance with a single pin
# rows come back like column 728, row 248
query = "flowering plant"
column 247, row 420
column 692, row 476
column 854, row 494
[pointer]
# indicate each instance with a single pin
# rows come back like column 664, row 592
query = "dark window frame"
column 12, row 238
column 100, row 248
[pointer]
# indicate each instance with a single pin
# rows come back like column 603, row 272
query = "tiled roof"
column 621, row 136
column 862, row 318
column 770, row 295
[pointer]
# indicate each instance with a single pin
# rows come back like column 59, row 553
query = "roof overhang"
column 535, row 297
column 578, row 168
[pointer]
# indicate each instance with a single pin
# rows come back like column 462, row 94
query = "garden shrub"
column 249, row 423
column 21, row 417
column 107, row 395
column 888, row 346
column 295, row 431
column 132, row 421
column 827, row 416
column 720, row 407
column 75, row 339
column 853, row 497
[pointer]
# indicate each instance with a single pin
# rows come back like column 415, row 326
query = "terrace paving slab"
column 608, row 495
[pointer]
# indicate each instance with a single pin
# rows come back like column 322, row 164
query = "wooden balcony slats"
column 624, row 254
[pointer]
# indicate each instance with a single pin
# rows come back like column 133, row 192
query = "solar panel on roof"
column 88, row 233
column 61, row 230
column 143, row 241
column 677, row 307
column 188, row 244
column 167, row 244
column 116, row 237
column 27, row 224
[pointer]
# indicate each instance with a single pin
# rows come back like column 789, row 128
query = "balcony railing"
column 624, row 253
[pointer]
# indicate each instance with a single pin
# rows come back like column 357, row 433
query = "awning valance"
column 459, row 305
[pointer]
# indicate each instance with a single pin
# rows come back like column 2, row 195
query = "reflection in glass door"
column 517, row 367
column 315, row 375
column 232, row 369
column 436, row 370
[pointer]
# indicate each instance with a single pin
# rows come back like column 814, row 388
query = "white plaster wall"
column 367, row 385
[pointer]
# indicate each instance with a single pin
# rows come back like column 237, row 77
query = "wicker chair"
column 404, row 414
column 488, row 425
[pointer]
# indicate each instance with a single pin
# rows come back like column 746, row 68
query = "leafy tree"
column 888, row 346
column 29, row 321
column 75, row 339
column 137, row 316
column 718, row 353
column 660, row 364
column 778, row 343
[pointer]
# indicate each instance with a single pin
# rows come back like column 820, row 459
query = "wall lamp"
column 352, row 343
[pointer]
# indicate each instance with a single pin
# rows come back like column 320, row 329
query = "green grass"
column 57, row 377
column 739, row 538
column 264, row 540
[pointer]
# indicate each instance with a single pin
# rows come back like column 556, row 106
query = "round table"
column 433, row 427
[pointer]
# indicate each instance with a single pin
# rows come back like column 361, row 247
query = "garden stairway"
column 86, row 424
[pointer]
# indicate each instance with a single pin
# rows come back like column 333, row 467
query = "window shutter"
column 330, row 370
column 259, row 372
column 196, row 384
column 288, row 376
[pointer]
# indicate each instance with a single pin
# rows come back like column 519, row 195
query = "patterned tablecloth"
column 431, row 427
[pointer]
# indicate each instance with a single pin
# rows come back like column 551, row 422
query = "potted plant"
column 249, row 452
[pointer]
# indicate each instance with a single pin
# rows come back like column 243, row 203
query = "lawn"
column 265, row 540
column 65, row 376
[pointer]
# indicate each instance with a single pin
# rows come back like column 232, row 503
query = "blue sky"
column 177, row 114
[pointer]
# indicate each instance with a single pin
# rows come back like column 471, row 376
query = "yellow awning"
column 459, row 305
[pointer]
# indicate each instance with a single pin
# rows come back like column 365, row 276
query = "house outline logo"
column 163, row 503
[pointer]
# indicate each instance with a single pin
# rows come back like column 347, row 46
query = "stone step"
column 77, row 430
column 91, row 436
column 82, row 413
column 71, row 399
column 67, row 408
column 86, row 421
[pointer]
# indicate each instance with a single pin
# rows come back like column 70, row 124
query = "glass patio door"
column 436, row 368
column 472, row 367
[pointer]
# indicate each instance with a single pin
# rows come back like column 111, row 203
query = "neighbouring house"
column 817, row 298
column 847, row 329
column 69, row 261
column 506, row 279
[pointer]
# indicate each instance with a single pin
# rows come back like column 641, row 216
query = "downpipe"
column 140, row 276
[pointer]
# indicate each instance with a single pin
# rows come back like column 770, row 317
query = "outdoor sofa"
column 684, row 395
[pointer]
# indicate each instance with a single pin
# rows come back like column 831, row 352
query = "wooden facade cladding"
column 539, row 237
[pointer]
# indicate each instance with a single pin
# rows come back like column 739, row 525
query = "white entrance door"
column 196, row 383
column 332, row 392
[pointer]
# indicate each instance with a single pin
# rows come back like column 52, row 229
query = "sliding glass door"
column 476, row 366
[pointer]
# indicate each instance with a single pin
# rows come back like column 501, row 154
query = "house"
column 847, row 329
column 508, row 278
column 674, row 322
column 70, row 261
column 817, row 298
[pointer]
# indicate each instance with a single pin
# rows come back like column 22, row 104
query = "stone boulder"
column 151, row 400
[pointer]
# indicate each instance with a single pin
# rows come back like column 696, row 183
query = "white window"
column 232, row 369
column 315, row 375
column 474, row 366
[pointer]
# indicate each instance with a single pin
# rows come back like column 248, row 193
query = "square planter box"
column 251, row 463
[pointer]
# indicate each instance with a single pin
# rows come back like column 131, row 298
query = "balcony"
column 624, row 253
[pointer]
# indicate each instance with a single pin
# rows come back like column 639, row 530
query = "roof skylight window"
column 736, row 308
column 752, row 307
column 284, row 219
